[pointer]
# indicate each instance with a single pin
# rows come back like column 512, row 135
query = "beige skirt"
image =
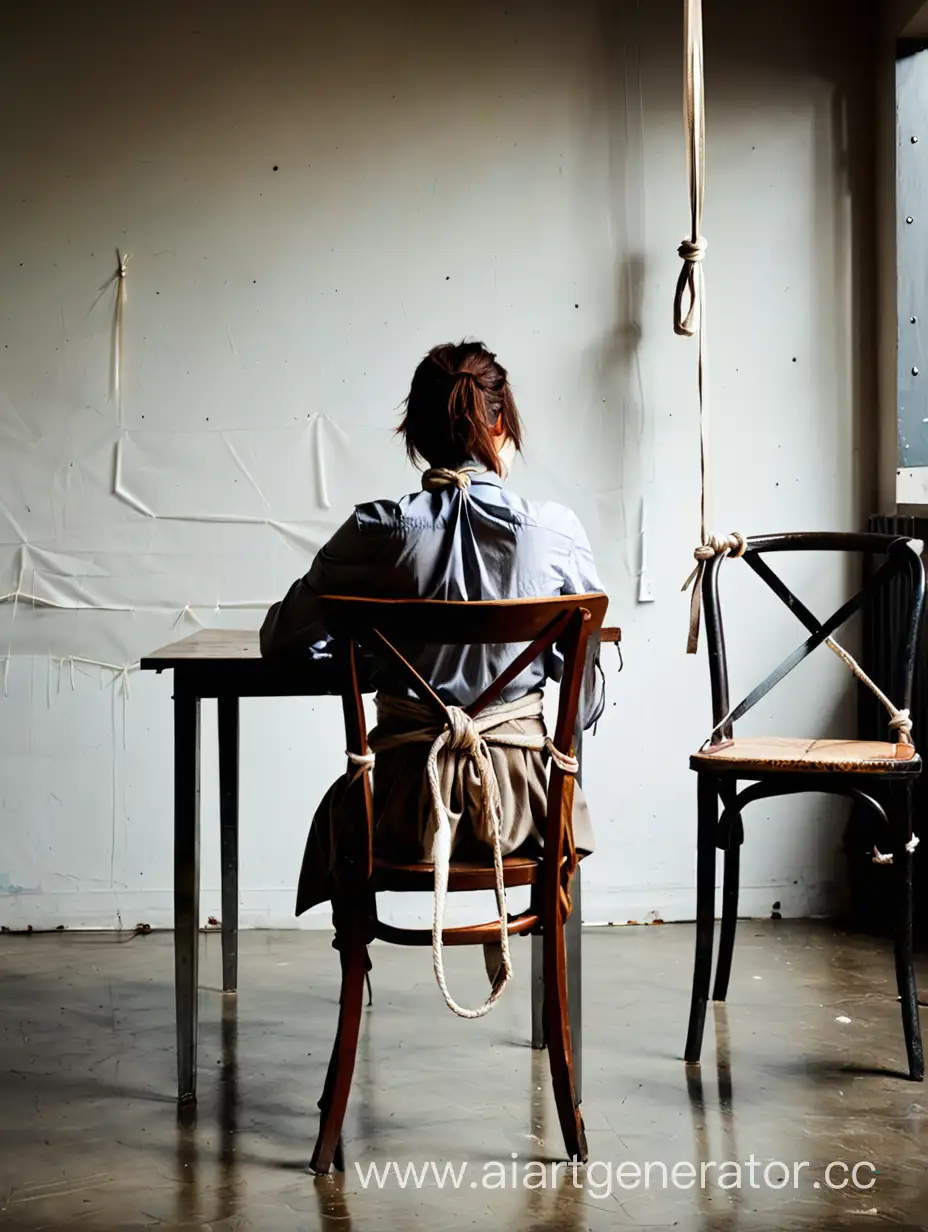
column 403, row 808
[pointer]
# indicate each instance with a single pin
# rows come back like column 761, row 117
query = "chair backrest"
column 902, row 560
column 386, row 626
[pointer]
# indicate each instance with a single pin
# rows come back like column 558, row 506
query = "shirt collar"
column 489, row 478
column 483, row 476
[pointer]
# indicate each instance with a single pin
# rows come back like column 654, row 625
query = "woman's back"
column 476, row 541
column 463, row 537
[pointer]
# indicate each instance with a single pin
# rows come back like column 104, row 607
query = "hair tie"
column 438, row 478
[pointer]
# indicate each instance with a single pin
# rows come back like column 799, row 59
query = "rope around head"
column 437, row 478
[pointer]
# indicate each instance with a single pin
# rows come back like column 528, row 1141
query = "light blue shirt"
column 483, row 542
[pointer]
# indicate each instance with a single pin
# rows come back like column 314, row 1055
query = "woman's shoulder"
column 548, row 515
column 377, row 515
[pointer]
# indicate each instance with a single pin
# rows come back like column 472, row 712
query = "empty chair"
column 876, row 774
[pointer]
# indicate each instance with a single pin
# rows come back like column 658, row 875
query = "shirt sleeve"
column 350, row 564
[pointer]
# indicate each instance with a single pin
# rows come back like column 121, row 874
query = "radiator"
column 884, row 616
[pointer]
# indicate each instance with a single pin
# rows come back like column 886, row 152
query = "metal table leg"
column 186, row 881
column 227, row 722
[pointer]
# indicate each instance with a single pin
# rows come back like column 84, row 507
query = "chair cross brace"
column 819, row 632
column 427, row 694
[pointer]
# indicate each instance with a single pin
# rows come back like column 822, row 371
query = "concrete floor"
column 800, row 1067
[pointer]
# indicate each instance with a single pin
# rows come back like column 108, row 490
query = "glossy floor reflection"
column 798, row 1068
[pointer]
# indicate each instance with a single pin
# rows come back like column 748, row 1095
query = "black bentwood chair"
column 876, row 774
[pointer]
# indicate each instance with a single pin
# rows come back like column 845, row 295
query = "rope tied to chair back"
column 461, row 735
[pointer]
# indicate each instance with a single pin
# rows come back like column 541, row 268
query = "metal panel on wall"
column 912, row 272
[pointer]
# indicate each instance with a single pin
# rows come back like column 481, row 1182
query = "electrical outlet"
column 645, row 590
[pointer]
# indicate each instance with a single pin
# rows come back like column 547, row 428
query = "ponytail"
column 459, row 405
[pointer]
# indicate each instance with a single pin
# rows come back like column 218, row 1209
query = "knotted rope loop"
column 437, row 478
column 733, row 545
column 463, row 734
column 469, row 737
column 902, row 723
column 693, row 250
column 691, row 253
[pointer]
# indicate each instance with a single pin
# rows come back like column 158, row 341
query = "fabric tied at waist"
column 463, row 736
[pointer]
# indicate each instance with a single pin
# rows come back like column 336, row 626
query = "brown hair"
column 459, row 394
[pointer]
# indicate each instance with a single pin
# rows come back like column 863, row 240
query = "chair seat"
column 794, row 754
column 463, row 875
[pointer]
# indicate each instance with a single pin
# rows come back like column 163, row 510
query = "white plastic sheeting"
column 311, row 198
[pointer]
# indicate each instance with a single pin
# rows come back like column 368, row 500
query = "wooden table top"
column 235, row 646
column 209, row 646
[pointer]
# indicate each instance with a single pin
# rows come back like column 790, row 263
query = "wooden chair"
column 380, row 626
column 875, row 774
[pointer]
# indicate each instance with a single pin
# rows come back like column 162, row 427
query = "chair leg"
column 730, row 887
column 728, row 790
column 708, row 815
column 573, row 944
column 341, row 1066
column 557, row 1034
column 905, row 970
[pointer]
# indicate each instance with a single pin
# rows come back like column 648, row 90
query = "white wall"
column 514, row 171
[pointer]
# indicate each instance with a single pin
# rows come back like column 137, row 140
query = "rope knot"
column 464, row 734
column 879, row 858
column 362, row 762
column 734, row 545
column 902, row 723
column 693, row 250
column 437, row 478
